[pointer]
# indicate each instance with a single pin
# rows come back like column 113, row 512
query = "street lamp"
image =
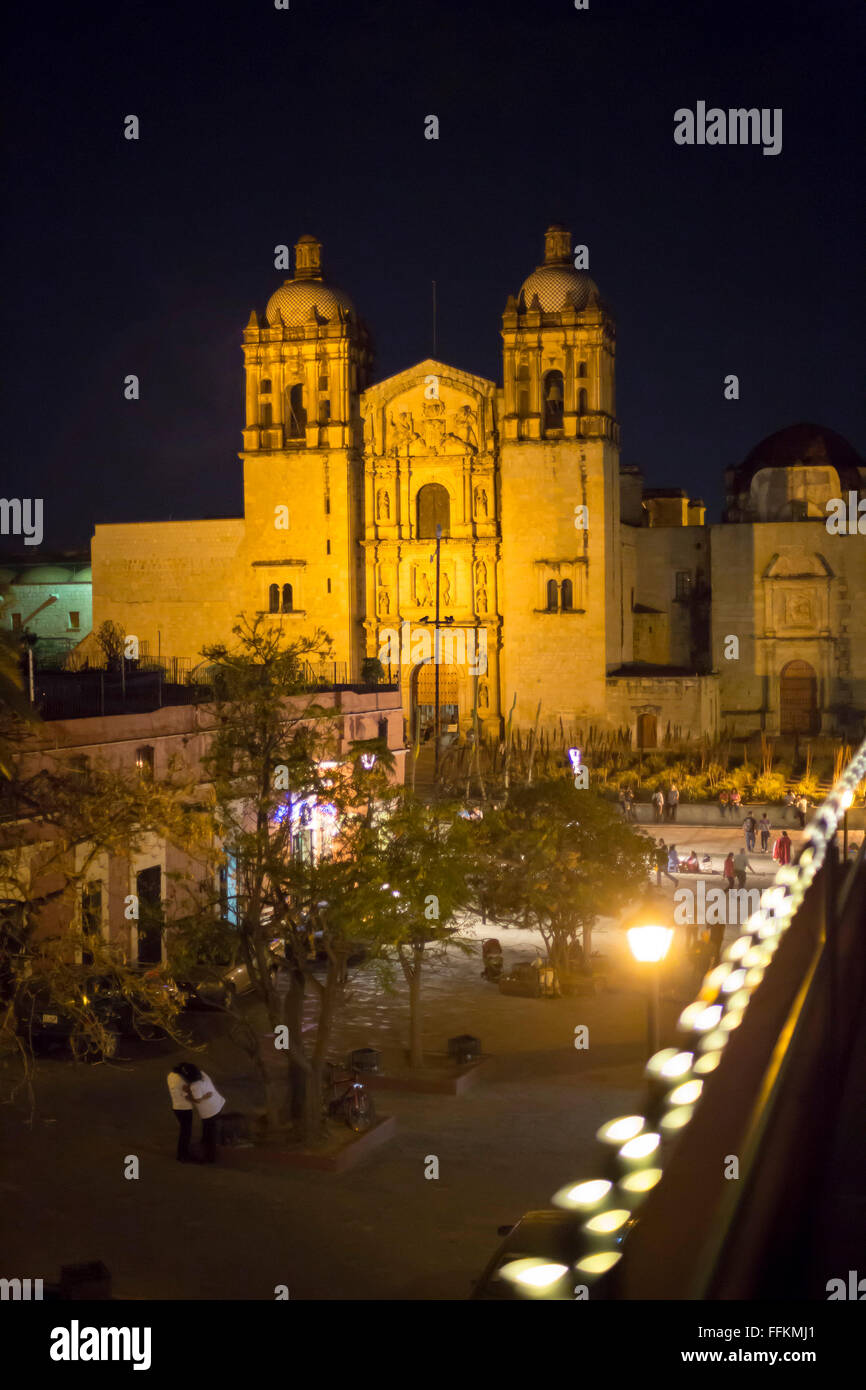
column 649, row 945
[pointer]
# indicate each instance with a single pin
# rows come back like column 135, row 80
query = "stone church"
column 564, row 589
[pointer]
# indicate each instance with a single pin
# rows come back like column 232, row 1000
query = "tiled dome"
column 558, row 287
column 295, row 298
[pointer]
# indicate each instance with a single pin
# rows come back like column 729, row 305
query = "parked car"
column 214, row 985
column 550, row 1235
column 49, row 1024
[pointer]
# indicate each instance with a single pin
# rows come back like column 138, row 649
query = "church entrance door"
column 647, row 731
column 798, row 699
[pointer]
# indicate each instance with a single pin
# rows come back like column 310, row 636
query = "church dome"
column 556, row 282
column 295, row 298
column 557, row 287
column 294, row 301
column 806, row 446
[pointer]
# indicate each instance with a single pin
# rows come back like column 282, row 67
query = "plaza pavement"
column 381, row 1230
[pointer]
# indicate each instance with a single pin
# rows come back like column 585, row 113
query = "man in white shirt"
column 208, row 1102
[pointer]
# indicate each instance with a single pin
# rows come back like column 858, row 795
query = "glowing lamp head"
column 649, row 944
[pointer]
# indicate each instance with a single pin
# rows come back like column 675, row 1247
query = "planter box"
column 439, row 1075
column 340, row 1154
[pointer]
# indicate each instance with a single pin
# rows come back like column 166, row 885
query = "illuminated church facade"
column 566, row 590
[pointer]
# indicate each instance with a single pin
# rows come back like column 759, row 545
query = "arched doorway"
column 423, row 688
column 798, row 699
column 647, row 731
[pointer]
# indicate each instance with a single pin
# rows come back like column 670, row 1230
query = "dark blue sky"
column 259, row 125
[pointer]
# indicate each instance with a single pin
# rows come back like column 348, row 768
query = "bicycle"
column 354, row 1105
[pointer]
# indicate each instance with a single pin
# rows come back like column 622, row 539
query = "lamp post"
column 649, row 945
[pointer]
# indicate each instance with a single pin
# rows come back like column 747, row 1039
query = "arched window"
column 287, row 598
column 581, row 369
column 296, row 414
column 552, row 596
column 567, row 595
column 267, row 413
column 582, row 402
column 434, row 509
column 264, row 386
column 274, row 598
column 553, row 399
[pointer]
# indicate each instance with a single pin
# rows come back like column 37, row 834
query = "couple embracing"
column 191, row 1089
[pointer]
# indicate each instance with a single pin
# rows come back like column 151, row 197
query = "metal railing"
column 707, row 1193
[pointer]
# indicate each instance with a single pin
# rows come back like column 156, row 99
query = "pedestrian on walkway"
column 790, row 802
column 673, row 801
column 741, row 864
column 750, row 825
column 801, row 807
column 764, row 828
column 178, row 1089
column 728, row 870
column 784, row 844
column 661, row 861
column 658, row 805
column 717, row 941
column 623, row 804
column 673, row 861
column 629, row 804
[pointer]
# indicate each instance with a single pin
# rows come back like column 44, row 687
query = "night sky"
column 258, row 125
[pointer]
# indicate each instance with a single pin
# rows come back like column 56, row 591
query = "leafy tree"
column 557, row 858
column 412, row 889
column 275, row 763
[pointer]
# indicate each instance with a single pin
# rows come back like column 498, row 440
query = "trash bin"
column 464, row 1048
column 365, row 1059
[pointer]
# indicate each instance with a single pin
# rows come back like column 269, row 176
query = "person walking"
column 764, row 828
column 673, row 862
column 802, row 808
column 661, row 861
column 784, row 843
column 623, row 804
column 728, row 870
column 741, row 864
column 673, row 801
column 629, row 804
column 658, row 805
column 178, row 1089
column 750, row 825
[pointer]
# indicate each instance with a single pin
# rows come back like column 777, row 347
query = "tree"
column 110, row 639
column 280, row 778
column 55, row 821
column 557, row 858
column 415, row 884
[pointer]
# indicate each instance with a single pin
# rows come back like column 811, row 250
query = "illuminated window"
column 552, row 596
column 274, row 598
column 287, row 598
column 581, row 369
column 567, row 595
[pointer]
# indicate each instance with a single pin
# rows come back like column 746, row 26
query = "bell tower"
column 562, row 582
column 306, row 365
